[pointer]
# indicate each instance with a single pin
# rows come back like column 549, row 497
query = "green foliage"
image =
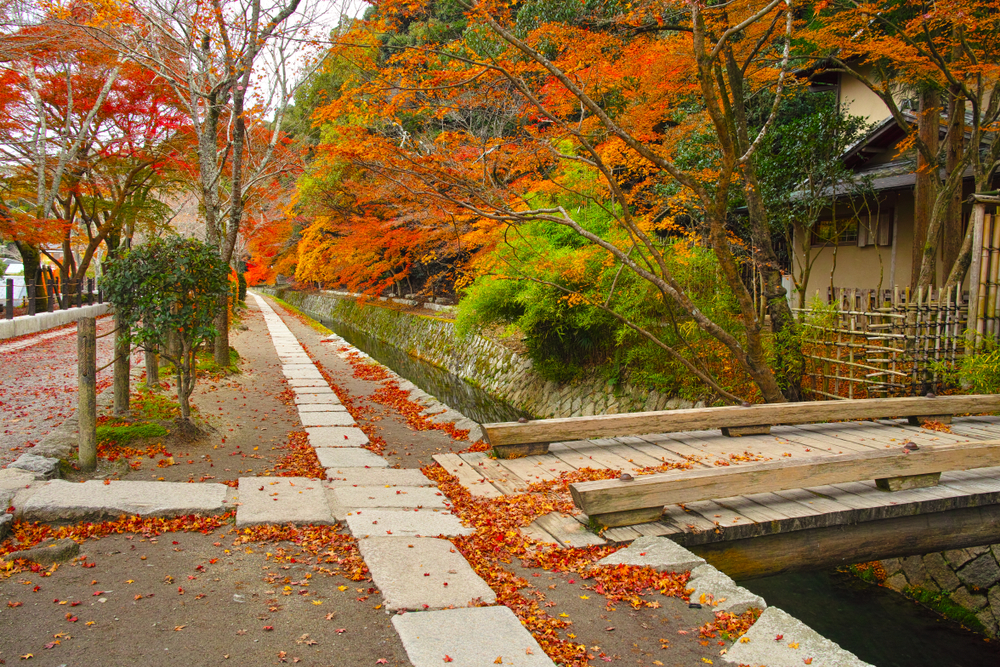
column 171, row 284
column 122, row 435
column 944, row 605
column 173, row 287
column 978, row 371
column 242, row 294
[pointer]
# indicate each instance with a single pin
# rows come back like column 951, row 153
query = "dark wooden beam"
column 834, row 546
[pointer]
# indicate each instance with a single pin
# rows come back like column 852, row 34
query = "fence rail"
column 50, row 293
column 880, row 343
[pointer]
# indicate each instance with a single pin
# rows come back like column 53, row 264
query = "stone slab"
column 321, row 407
column 761, row 648
column 42, row 466
column 380, row 522
column 12, row 479
column 314, row 399
column 470, row 637
column 349, row 457
column 302, row 374
column 289, row 359
column 377, row 477
column 318, row 388
column 300, row 383
column 656, row 552
column 336, row 436
column 415, row 573
column 714, row 588
column 298, row 500
column 327, row 418
column 307, row 366
column 61, row 501
column 398, row 496
column 48, row 552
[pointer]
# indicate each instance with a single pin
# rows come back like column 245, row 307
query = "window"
column 878, row 231
column 835, row 232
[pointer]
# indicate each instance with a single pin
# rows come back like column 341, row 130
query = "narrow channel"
column 878, row 625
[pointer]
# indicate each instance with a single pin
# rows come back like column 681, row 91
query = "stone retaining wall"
column 970, row 578
column 497, row 370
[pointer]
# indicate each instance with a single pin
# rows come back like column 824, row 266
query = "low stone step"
column 94, row 500
column 297, row 383
column 759, row 645
column 326, row 419
column 298, row 500
column 320, row 407
column 658, row 553
column 398, row 496
column 301, row 374
column 318, row 387
column 336, row 436
column 382, row 522
column 378, row 477
column 470, row 637
column 349, row 457
column 415, row 573
column 310, row 399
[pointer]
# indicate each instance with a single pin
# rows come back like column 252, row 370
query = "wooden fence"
column 874, row 344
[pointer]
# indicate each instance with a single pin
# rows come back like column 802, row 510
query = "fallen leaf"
column 808, row 661
column 499, row 660
column 447, row 658
column 178, row 628
column 381, row 661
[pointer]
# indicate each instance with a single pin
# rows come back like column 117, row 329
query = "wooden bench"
column 513, row 439
column 617, row 502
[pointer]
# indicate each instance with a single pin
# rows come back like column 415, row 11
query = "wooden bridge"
column 789, row 523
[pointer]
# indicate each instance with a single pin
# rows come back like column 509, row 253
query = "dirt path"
column 38, row 387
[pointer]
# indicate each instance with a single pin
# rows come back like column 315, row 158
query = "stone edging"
column 497, row 370
column 29, row 324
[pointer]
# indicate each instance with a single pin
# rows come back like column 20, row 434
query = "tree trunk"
column 152, row 369
column 31, row 258
column 951, row 230
column 123, row 367
column 221, row 351
column 925, row 189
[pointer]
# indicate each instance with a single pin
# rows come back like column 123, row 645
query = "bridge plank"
column 579, row 428
column 657, row 453
column 499, row 476
column 686, row 522
column 528, row 469
column 638, row 458
column 859, row 439
column 722, row 517
column 678, row 448
column 601, row 454
column 648, row 491
column 919, row 435
column 721, row 446
column 657, row 529
column 783, row 507
column 553, row 464
column 814, row 501
column 829, row 441
column 622, row 534
column 752, row 508
column 472, row 477
column 573, row 458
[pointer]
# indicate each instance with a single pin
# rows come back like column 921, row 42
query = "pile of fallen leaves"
column 25, row 535
column 334, row 552
column 300, row 459
column 729, row 627
column 392, row 396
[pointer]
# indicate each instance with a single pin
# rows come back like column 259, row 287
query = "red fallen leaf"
column 380, row 661
column 96, row 593
column 180, row 590
column 447, row 658
column 107, row 482
column 779, row 638
column 269, row 627
column 73, row 619
column 808, row 661
column 37, row 588
column 15, row 604
column 341, row 631
column 75, row 603
column 52, row 644
column 90, row 564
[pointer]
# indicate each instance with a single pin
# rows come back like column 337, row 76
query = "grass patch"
column 148, row 405
column 124, row 434
column 318, row 326
column 944, row 605
column 205, row 364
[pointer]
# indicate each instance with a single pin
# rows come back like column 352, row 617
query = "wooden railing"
column 640, row 500
column 512, row 439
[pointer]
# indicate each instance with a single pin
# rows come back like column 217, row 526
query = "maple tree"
column 487, row 128
column 229, row 64
column 947, row 55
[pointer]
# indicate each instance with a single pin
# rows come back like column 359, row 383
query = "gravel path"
column 38, row 385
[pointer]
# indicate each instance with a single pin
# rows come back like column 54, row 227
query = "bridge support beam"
column 819, row 548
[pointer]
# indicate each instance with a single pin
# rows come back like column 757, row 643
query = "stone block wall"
column 492, row 367
column 969, row 577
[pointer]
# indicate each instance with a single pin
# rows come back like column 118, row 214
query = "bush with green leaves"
column 173, row 287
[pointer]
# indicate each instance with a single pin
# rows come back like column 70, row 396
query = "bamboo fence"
column 874, row 344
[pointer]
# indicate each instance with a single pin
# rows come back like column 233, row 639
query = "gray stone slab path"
column 398, row 496
column 656, row 552
column 473, row 637
column 326, row 418
column 62, row 501
column 336, row 436
column 379, row 477
column 417, row 573
column 349, row 457
column 298, row 500
column 378, row 522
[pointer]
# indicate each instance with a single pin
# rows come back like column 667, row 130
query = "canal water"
column 878, row 625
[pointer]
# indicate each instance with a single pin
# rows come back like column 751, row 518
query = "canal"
column 878, row 625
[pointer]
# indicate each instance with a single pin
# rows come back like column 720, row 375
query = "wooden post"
column 90, row 291
column 86, row 350
column 9, row 303
column 50, row 294
column 980, row 265
column 31, row 297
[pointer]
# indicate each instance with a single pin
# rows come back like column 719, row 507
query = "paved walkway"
column 403, row 524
